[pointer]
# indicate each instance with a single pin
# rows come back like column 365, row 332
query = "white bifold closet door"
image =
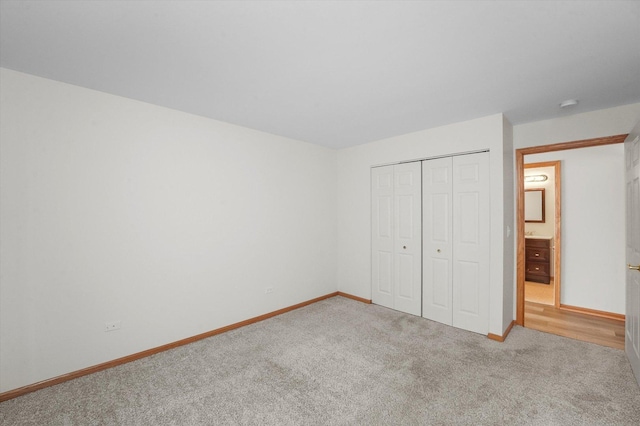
column 456, row 247
column 396, row 237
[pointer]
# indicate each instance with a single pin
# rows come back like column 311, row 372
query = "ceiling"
column 336, row 73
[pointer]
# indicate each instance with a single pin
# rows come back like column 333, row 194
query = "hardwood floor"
column 603, row 331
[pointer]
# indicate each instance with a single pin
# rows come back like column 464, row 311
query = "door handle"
column 637, row 267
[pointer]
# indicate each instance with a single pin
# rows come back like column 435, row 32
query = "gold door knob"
column 637, row 267
column 537, row 254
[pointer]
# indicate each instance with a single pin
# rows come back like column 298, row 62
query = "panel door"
column 408, row 238
column 437, row 282
column 471, row 245
column 382, row 236
column 632, row 314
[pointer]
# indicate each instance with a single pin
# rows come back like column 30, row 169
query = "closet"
column 430, row 239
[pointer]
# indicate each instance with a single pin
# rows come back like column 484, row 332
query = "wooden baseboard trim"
column 351, row 296
column 593, row 312
column 4, row 396
column 502, row 338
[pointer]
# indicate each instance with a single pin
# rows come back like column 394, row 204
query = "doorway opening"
column 564, row 318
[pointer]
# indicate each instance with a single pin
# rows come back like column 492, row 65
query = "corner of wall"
column 509, row 223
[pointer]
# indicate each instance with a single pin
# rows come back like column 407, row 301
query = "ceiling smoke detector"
column 568, row 103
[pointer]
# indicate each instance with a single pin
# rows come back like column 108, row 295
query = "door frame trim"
column 520, row 153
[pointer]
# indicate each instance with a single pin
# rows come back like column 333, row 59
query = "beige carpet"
column 341, row 362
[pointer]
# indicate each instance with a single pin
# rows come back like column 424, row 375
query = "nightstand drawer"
column 537, row 242
column 534, row 268
column 537, row 254
column 537, row 272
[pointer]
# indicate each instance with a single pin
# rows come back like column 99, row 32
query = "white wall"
column 354, row 200
column 174, row 224
column 593, row 226
column 594, row 218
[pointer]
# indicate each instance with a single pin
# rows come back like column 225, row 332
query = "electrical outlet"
column 113, row 325
column 269, row 290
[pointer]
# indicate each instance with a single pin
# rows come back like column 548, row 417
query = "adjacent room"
column 319, row 212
